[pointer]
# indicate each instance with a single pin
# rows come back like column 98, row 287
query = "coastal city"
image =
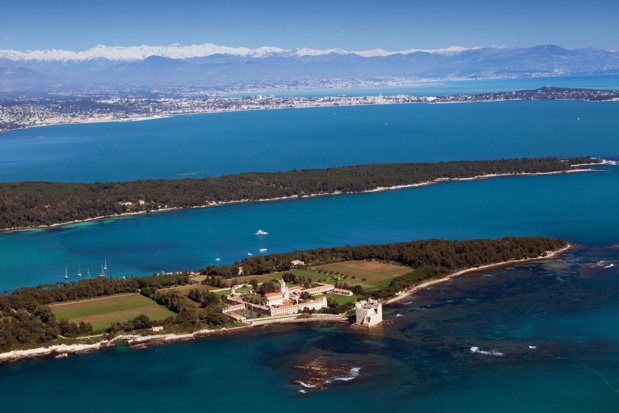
column 78, row 107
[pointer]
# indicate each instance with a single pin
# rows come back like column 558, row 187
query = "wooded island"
column 27, row 320
column 35, row 204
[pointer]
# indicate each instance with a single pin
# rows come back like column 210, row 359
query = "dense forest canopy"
column 451, row 255
column 27, row 320
column 29, row 204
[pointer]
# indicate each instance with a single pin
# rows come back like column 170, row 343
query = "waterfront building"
column 369, row 313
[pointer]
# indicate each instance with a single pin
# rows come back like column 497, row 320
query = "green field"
column 370, row 275
column 343, row 299
column 102, row 312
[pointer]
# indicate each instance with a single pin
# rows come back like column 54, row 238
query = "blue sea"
column 545, row 332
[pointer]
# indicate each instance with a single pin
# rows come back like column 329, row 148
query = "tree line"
column 28, row 204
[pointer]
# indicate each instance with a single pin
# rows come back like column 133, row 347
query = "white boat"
column 66, row 273
column 88, row 272
column 249, row 254
column 263, row 250
column 105, row 265
column 79, row 271
column 217, row 259
column 102, row 272
column 261, row 232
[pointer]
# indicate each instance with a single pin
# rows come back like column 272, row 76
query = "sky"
column 318, row 24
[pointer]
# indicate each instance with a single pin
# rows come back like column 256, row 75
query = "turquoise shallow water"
column 580, row 207
column 418, row 361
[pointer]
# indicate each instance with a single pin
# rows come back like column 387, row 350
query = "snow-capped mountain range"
column 179, row 52
column 211, row 67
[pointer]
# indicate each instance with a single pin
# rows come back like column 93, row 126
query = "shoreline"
column 449, row 277
column 137, row 341
column 284, row 198
column 426, row 100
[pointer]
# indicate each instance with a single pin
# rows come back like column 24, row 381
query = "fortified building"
column 369, row 313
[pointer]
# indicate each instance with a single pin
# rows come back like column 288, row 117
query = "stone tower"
column 369, row 313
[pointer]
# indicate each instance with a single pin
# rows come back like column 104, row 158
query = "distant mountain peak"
column 213, row 67
column 180, row 52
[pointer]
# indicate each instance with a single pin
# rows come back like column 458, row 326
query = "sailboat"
column 217, row 259
column 79, row 271
column 66, row 273
column 88, row 272
column 105, row 265
column 102, row 271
